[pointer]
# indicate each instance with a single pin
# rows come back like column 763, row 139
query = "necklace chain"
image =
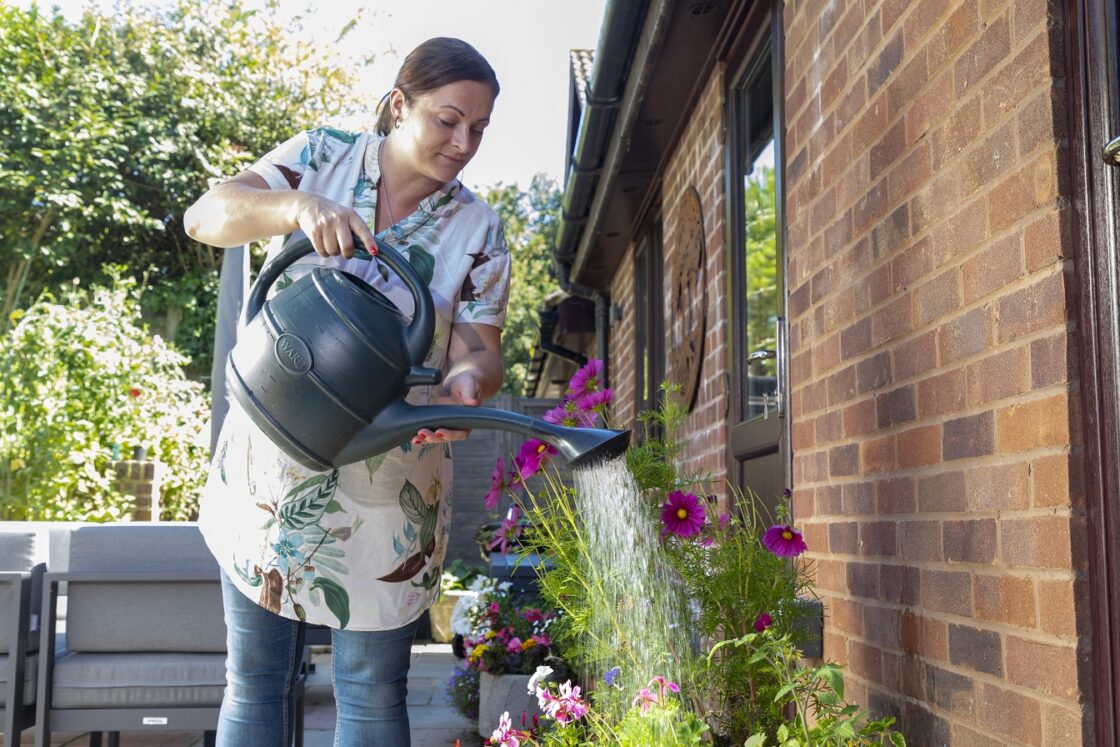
column 383, row 186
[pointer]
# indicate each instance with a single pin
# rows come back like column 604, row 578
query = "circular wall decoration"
column 689, row 312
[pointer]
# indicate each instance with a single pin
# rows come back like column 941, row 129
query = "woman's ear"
column 396, row 106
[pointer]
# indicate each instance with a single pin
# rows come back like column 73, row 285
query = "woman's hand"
column 461, row 389
column 330, row 226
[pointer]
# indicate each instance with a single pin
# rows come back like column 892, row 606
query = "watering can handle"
column 419, row 335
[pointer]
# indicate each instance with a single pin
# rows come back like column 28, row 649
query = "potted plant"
column 457, row 577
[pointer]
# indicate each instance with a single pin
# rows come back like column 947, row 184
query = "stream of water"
column 639, row 612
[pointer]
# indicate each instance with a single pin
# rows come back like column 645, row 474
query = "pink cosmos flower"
column 784, row 540
column 586, row 380
column 762, row 622
column 596, row 402
column 724, row 520
column 532, row 457
column 505, row 735
column 569, row 414
column 498, row 483
column 514, row 645
column 508, row 532
column 682, row 514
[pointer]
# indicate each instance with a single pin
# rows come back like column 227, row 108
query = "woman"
column 358, row 549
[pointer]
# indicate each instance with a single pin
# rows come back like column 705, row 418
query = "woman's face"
column 441, row 130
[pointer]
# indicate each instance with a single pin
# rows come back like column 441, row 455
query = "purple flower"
column 784, row 540
column 762, row 622
column 509, row 531
column 498, row 483
column 569, row 414
column 587, row 379
column 532, row 457
column 596, row 402
column 611, row 675
column 682, row 514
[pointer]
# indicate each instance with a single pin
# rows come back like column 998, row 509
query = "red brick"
column 1046, row 240
column 877, row 455
column 998, row 376
column 905, row 85
column 995, row 267
column 900, row 584
column 1035, row 424
column 895, row 495
column 859, row 498
column 885, row 64
column 1065, row 725
column 1005, row 599
column 888, row 150
column 863, row 581
column 1042, row 120
column 864, row 661
column 971, row 541
column 976, row 649
column 843, row 460
column 943, row 492
column 1037, row 542
column 965, row 228
column 939, row 296
column 891, row 321
column 1000, row 487
column 1038, row 306
column 1032, row 187
column 970, row 436
column 942, row 394
column 889, row 235
column 1058, row 678
column 859, row 418
column 1059, row 608
column 1051, row 362
column 843, row 537
column 919, row 447
column 988, row 160
column 845, row 615
column 965, row 336
column 947, row 591
column 1009, row 713
column 878, row 538
column 1021, row 76
column 882, row 626
column 913, row 172
column 993, row 46
column 842, row 386
column 952, row 36
column 916, row 356
column 829, row 426
column 921, row 541
column 924, row 636
column 895, row 407
column 1057, row 481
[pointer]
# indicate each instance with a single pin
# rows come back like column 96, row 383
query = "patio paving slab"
column 434, row 722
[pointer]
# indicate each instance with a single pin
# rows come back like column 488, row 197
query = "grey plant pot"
column 501, row 693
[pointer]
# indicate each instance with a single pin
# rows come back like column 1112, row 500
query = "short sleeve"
column 284, row 165
column 486, row 288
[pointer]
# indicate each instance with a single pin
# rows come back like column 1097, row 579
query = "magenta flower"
column 586, row 380
column 569, row 414
column 532, row 457
column 498, row 483
column 645, row 699
column 505, row 735
column 682, row 514
column 762, row 622
column 508, row 532
column 596, row 402
column 784, row 540
column 567, row 706
column 514, row 645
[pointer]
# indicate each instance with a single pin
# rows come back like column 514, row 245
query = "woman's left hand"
column 461, row 389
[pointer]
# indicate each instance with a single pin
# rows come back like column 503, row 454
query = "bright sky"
column 526, row 41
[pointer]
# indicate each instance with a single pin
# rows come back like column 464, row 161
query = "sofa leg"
column 95, row 739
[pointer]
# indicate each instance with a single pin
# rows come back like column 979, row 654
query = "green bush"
column 82, row 384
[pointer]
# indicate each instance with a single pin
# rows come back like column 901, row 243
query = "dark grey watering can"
column 323, row 367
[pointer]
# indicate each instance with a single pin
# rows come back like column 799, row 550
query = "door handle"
column 761, row 355
column 777, row 355
column 1112, row 152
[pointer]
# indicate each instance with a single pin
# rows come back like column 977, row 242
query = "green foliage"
column 112, row 125
column 459, row 575
column 462, row 691
column 82, row 383
column 760, row 227
column 817, row 694
column 531, row 219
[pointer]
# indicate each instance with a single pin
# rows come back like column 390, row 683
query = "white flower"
column 540, row 674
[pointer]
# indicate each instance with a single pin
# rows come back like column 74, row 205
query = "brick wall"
column 697, row 162
column 935, row 399
column 623, row 358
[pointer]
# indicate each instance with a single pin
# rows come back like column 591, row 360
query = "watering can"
column 323, row 368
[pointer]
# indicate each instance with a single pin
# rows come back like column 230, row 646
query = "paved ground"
column 434, row 722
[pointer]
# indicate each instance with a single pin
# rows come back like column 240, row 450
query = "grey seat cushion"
column 18, row 553
column 86, row 680
column 30, row 678
column 141, row 617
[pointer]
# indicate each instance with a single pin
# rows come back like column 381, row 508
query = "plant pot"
column 501, row 693
column 440, row 615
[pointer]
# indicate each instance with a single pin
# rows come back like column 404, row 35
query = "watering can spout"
column 400, row 421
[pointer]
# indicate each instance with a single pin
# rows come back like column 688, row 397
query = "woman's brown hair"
column 434, row 64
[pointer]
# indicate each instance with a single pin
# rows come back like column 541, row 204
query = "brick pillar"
column 140, row 479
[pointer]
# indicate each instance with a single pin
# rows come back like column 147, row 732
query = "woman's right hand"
column 331, row 227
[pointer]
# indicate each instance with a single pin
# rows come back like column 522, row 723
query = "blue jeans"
column 370, row 678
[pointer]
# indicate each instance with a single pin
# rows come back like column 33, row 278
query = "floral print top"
column 360, row 547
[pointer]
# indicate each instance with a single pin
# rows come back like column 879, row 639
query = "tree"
column 531, row 219
column 111, row 126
